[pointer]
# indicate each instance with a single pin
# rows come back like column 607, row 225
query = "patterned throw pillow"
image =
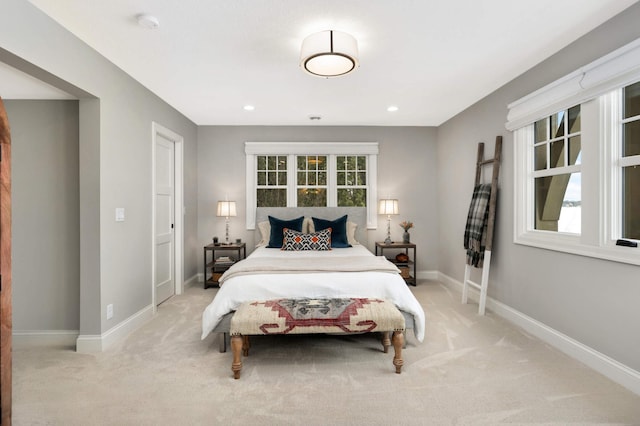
column 294, row 240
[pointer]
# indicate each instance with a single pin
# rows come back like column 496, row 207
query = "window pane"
column 632, row 100
column 575, row 148
column 540, row 157
column 351, row 178
column 558, row 202
column 340, row 162
column 322, row 178
column 557, row 124
column 352, row 197
column 362, row 163
column 574, row 119
column 311, row 178
column 341, row 178
column 271, row 162
column 302, row 178
column 362, row 178
column 271, row 178
column 556, row 151
column 312, row 197
column 282, row 178
column 282, row 163
column 322, row 162
column 262, row 178
column 631, row 202
column 271, row 197
column 262, row 162
column 540, row 130
column 302, row 162
column 631, row 138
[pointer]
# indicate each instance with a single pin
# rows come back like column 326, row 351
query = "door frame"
column 5, row 269
column 178, row 214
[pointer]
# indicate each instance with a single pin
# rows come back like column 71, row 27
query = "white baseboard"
column 427, row 275
column 193, row 280
column 609, row 367
column 31, row 338
column 91, row 343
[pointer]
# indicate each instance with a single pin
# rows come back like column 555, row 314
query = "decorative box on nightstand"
column 408, row 267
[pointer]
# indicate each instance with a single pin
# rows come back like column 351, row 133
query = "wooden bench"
column 312, row 316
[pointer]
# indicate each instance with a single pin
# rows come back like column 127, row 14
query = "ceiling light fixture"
column 148, row 21
column 392, row 108
column 329, row 54
column 249, row 107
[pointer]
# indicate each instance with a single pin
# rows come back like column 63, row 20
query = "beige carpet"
column 470, row 370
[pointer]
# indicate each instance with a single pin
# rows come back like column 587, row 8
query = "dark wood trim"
column 5, row 268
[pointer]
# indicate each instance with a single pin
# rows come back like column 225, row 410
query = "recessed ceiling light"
column 249, row 107
column 392, row 108
column 148, row 21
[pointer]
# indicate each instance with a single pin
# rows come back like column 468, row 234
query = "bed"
column 311, row 273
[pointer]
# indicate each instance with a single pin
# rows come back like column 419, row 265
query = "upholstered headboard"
column 358, row 215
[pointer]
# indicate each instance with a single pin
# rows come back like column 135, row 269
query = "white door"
column 164, row 220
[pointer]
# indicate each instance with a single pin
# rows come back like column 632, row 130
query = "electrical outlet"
column 110, row 311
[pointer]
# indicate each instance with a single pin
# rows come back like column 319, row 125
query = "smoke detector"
column 148, row 21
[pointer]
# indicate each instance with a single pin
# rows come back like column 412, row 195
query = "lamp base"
column 388, row 240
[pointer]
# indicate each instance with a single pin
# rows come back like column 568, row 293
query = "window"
column 577, row 160
column 630, row 162
column 312, row 180
column 281, row 174
column 271, row 184
column 557, row 180
column 352, row 180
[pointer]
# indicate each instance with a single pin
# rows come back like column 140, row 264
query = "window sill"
column 571, row 244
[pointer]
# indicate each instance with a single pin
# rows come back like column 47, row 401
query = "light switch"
column 119, row 214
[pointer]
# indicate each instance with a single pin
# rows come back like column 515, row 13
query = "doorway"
column 167, row 214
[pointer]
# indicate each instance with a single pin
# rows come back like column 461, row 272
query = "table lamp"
column 226, row 209
column 388, row 207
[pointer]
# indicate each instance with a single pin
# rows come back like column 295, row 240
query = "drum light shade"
column 388, row 207
column 329, row 54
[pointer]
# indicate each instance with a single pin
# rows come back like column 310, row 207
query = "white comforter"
column 245, row 288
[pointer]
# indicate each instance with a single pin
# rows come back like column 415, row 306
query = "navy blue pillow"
column 277, row 229
column 338, row 230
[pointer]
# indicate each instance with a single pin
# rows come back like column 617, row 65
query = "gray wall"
column 406, row 170
column 45, row 210
column 590, row 300
column 115, row 163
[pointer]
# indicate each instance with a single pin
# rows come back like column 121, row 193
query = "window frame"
column 597, row 88
column 293, row 149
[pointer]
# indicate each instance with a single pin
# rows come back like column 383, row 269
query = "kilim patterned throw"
column 310, row 316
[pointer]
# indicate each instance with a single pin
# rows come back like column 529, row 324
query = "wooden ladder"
column 482, row 287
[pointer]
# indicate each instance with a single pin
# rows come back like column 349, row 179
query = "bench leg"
column 236, row 348
column 245, row 345
column 398, row 341
column 386, row 341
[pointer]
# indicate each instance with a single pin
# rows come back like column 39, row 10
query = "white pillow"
column 351, row 233
column 307, row 226
column 265, row 233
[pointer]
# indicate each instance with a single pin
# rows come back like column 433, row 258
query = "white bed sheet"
column 246, row 288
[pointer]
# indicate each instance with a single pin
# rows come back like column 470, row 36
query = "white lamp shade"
column 329, row 53
column 388, row 207
column 226, row 209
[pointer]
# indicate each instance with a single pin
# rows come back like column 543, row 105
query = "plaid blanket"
column 475, row 232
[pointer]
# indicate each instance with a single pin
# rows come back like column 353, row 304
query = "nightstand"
column 408, row 268
column 221, row 257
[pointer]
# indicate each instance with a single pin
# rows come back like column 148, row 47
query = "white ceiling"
column 430, row 58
